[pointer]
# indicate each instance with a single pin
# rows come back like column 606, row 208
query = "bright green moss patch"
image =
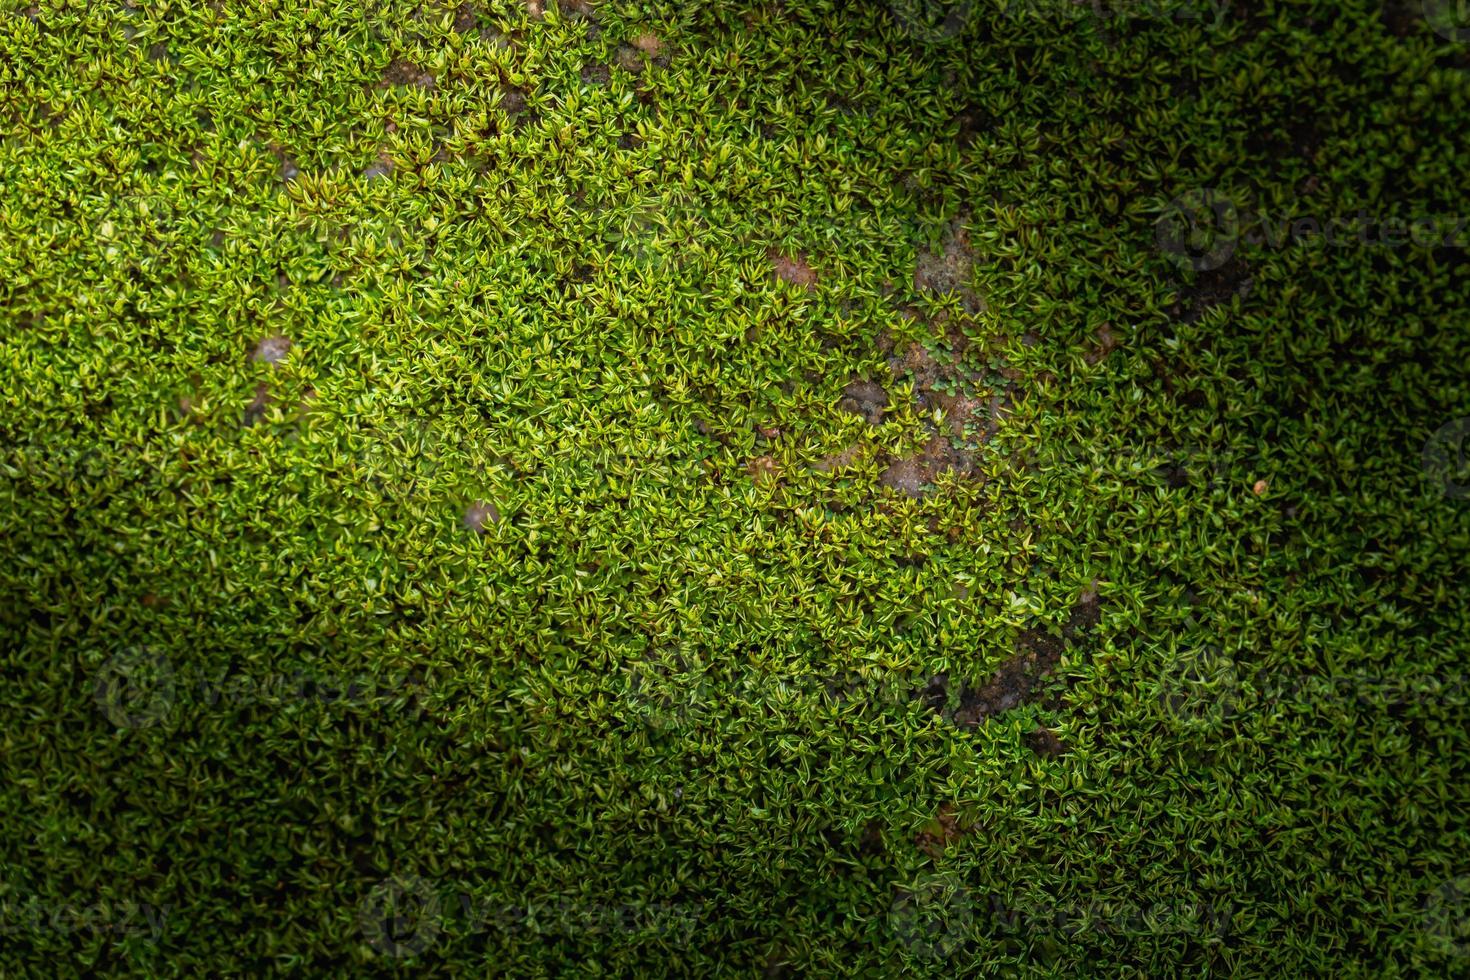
column 711, row 488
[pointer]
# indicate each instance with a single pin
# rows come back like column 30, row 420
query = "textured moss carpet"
column 708, row 488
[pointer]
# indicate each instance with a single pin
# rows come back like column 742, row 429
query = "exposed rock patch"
column 865, row 398
column 480, row 515
column 793, row 269
column 403, row 73
column 271, row 350
column 948, row 271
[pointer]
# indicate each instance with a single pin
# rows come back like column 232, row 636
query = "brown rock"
column 272, row 350
column 793, row 270
column 480, row 515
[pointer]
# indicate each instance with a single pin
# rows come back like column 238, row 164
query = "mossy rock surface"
column 720, row 488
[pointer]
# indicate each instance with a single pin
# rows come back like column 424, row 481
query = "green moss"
column 532, row 583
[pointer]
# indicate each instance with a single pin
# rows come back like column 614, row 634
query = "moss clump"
column 451, row 520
